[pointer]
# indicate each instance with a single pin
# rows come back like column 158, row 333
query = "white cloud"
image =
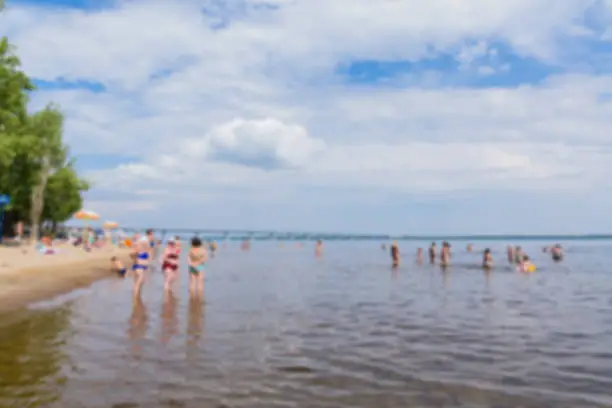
column 255, row 104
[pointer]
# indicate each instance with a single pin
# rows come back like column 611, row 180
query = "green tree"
column 32, row 151
column 47, row 154
column 63, row 195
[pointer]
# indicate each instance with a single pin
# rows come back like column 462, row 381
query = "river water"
column 279, row 328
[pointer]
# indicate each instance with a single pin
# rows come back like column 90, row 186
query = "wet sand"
column 27, row 276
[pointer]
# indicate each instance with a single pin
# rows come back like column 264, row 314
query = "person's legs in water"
column 169, row 278
column 138, row 279
column 200, row 282
column 193, row 279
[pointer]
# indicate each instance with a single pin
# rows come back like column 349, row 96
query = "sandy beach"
column 27, row 276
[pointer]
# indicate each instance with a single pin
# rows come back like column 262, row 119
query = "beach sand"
column 27, row 276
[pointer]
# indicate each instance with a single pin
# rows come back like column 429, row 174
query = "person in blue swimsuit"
column 141, row 264
column 197, row 262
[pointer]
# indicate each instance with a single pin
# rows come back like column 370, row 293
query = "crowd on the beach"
column 516, row 256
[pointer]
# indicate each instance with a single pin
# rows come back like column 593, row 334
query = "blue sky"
column 354, row 116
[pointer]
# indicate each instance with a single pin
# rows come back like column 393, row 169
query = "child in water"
column 117, row 267
column 526, row 265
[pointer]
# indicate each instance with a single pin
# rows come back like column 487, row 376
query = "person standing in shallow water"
column 556, row 253
column 395, row 255
column 170, row 263
column 142, row 258
column 432, row 253
column 197, row 262
column 419, row 256
column 319, row 248
column 445, row 254
column 487, row 259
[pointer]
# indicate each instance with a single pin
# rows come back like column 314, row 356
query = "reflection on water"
column 138, row 325
column 280, row 328
column 169, row 318
column 195, row 320
column 32, row 357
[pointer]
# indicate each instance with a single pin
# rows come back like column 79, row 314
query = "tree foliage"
column 36, row 169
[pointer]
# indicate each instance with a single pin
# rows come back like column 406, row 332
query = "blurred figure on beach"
column 510, row 254
column 118, row 267
column 419, row 256
column 197, row 262
column 319, row 248
column 395, row 254
column 433, row 253
column 470, row 248
column 383, row 247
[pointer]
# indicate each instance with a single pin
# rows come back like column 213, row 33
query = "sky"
column 368, row 116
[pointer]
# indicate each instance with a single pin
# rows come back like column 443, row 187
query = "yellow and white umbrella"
column 111, row 225
column 86, row 215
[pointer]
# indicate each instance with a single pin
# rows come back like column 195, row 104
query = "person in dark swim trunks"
column 432, row 253
column 197, row 260
column 556, row 253
column 117, row 267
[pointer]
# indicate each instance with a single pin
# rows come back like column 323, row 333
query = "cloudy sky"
column 399, row 116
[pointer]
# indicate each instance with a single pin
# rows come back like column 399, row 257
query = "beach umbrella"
column 86, row 215
column 4, row 201
column 111, row 225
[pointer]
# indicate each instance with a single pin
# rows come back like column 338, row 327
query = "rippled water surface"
column 281, row 329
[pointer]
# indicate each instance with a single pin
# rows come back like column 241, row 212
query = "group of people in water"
column 144, row 250
column 516, row 256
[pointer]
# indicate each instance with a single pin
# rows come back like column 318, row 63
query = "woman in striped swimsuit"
column 170, row 263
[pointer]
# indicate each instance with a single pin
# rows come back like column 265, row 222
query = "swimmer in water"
column 319, row 248
column 510, row 252
column 470, row 248
column 117, row 267
column 445, row 254
column 518, row 254
column 556, row 253
column 419, row 256
column 526, row 266
column 383, row 247
column 432, row 253
column 395, row 254
column 487, row 259
column 197, row 261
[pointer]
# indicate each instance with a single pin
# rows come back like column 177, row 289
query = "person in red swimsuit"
column 170, row 263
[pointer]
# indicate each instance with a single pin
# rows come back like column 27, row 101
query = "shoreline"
column 28, row 277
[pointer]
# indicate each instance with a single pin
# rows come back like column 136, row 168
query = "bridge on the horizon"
column 242, row 234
